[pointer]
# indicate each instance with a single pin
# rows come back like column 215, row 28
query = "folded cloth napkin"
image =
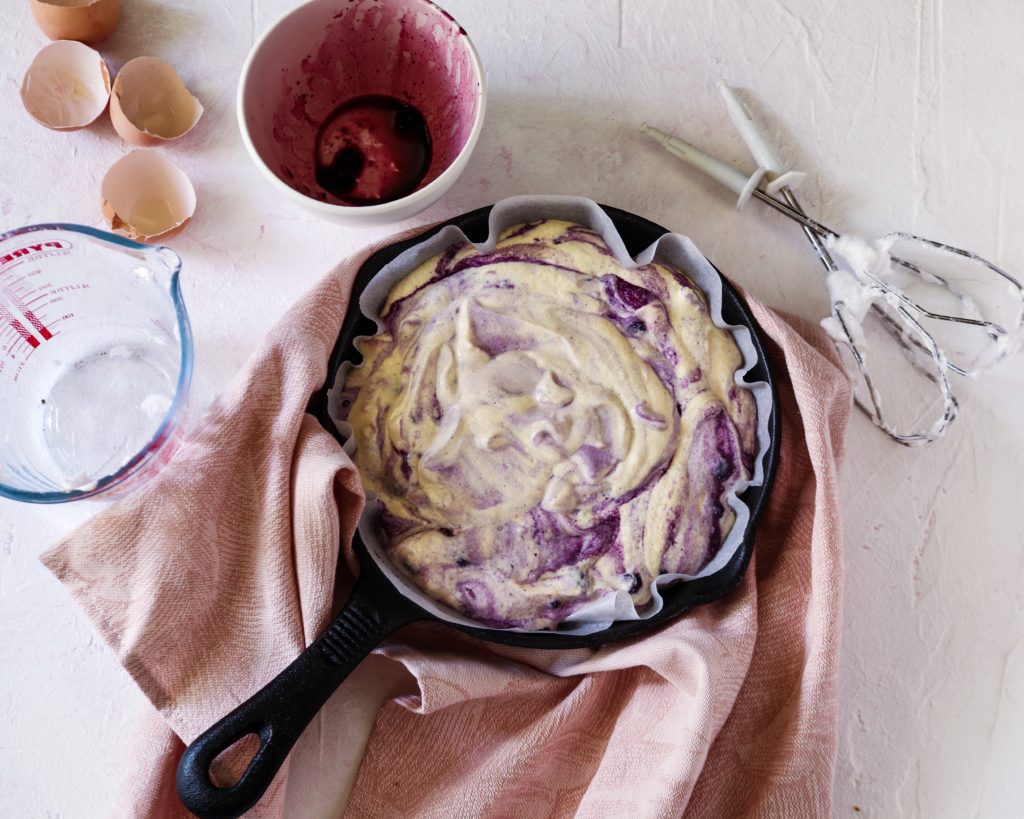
column 215, row 575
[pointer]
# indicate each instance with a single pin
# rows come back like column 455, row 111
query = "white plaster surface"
column 907, row 115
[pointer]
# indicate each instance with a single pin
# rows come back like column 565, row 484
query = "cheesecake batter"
column 544, row 426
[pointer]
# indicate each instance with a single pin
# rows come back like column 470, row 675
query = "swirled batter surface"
column 544, row 426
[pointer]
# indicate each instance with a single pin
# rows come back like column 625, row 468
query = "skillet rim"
column 637, row 233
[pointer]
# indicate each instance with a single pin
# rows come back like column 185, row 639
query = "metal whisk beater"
column 859, row 288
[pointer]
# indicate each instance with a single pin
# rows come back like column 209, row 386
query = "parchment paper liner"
column 672, row 249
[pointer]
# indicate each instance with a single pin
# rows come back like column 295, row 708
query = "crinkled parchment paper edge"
column 672, row 249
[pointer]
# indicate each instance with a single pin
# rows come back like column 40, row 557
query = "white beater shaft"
column 743, row 186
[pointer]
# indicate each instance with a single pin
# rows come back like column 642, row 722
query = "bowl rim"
column 421, row 196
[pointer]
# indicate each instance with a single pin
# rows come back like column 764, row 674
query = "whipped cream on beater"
column 544, row 426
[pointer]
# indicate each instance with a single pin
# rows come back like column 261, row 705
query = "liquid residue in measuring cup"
column 137, row 380
column 372, row 149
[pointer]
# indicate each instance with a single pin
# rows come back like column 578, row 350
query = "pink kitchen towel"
column 211, row 578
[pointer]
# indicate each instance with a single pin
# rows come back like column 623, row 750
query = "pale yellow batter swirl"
column 544, row 426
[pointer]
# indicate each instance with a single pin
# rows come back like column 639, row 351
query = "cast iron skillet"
column 279, row 712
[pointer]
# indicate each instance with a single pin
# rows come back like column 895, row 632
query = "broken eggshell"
column 88, row 21
column 66, row 87
column 150, row 104
column 147, row 197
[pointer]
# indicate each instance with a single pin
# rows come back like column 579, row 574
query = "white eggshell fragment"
column 150, row 104
column 147, row 197
column 88, row 21
column 66, row 87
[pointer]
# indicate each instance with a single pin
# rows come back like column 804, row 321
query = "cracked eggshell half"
column 146, row 197
column 150, row 105
column 88, row 21
column 66, row 87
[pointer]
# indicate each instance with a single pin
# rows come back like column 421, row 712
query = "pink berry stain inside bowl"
column 378, row 108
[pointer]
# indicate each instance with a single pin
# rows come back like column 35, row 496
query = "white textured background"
column 908, row 115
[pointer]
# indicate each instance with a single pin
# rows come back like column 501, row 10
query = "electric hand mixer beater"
column 914, row 302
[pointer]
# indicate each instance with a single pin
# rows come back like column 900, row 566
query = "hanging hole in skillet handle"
column 227, row 767
column 277, row 714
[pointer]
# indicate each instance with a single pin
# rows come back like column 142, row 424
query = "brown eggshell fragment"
column 88, row 21
column 147, row 197
column 150, row 104
column 66, row 87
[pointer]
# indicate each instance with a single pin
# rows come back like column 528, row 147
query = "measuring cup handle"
column 278, row 713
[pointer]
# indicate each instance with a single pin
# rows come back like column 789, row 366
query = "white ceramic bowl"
column 325, row 52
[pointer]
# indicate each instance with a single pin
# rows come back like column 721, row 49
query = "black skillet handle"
column 279, row 712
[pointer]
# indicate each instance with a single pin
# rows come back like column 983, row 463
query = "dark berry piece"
column 722, row 468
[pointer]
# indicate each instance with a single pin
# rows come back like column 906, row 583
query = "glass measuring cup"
column 95, row 362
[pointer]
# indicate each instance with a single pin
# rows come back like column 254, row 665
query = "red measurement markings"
column 19, row 328
column 34, row 321
column 19, row 305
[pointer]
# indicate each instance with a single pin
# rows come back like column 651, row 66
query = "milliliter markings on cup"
column 25, row 309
